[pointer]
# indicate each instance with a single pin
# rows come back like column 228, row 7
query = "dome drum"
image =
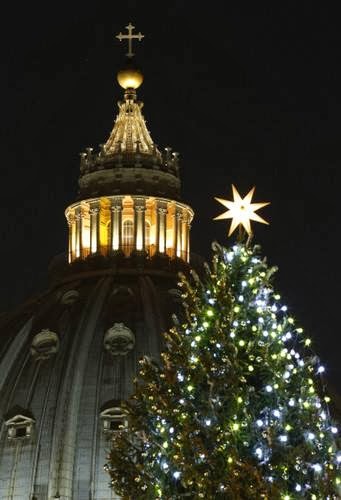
column 129, row 224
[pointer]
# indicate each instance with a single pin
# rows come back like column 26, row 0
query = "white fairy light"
column 229, row 256
column 298, row 487
column 208, row 422
column 268, row 388
column 311, row 436
column 180, row 377
column 176, row 474
column 334, row 429
column 317, row 468
column 259, row 453
column 259, row 422
column 277, row 413
column 321, row 369
column 291, row 402
column 283, row 438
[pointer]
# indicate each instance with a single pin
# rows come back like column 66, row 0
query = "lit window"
column 128, row 236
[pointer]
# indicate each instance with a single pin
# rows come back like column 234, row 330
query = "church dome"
column 68, row 356
column 62, row 363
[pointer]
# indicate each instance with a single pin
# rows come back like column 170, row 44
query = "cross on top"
column 130, row 37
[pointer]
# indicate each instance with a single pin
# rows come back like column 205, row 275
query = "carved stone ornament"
column 45, row 344
column 119, row 340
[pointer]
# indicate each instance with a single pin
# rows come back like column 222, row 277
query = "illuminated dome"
column 68, row 357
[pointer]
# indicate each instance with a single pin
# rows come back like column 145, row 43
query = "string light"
column 231, row 371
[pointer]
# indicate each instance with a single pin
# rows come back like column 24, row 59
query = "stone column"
column 188, row 241
column 178, row 233
column 184, row 237
column 78, row 246
column 72, row 242
column 116, row 225
column 94, row 227
column 139, row 224
column 161, row 226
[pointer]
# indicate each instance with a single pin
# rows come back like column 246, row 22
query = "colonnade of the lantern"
column 127, row 224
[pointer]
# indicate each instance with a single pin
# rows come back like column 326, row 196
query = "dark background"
column 248, row 93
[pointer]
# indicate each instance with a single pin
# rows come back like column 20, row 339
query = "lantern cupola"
column 129, row 190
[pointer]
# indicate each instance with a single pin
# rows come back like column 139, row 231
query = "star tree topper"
column 241, row 211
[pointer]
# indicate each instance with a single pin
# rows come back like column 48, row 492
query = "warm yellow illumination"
column 85, row 234
column 139, row 232
column 93, row 230
column 103, row 225
column 115, row 241
column 73, row 239
column 241, row 211
column 129, row 78
column 162, row 243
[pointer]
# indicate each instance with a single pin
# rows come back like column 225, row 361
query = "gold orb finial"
column 129, row 78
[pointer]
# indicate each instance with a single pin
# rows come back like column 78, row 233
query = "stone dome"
column 68, row 356
column 68, row 359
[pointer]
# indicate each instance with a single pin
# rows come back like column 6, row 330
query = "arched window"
column 147, row 235
column 128, row 236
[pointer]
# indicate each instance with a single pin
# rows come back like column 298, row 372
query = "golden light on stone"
column 241, row 211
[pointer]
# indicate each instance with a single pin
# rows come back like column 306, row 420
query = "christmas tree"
column 236, row 409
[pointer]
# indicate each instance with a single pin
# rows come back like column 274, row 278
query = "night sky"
column 248, row 94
